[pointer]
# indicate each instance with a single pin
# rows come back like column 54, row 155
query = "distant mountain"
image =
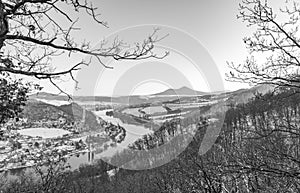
column 183, row 91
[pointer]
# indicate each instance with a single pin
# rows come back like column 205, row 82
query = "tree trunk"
column 3, row 24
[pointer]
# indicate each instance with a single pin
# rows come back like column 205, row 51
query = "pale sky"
column 203, row 35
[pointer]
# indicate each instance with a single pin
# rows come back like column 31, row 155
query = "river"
column 133, row 132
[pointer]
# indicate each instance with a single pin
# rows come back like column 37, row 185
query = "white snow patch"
column 43, row 132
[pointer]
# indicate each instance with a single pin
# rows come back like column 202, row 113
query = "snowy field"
column 43, row 132
column 154, row 109
column 132, row 111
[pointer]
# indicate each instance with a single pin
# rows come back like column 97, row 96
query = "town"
column 25, row 144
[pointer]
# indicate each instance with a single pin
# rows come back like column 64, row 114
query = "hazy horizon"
column 138, row 94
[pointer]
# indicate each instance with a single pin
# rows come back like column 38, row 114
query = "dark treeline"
column 256, row 151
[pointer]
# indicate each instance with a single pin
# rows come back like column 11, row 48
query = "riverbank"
column 119, row 133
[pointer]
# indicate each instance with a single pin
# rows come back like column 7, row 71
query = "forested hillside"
column 71, row 114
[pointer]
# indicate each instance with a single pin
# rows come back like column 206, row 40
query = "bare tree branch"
column 30, row 37
column 277, row 40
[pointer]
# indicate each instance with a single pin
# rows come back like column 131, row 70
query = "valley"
column 53, row 128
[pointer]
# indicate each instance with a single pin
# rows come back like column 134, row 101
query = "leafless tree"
column 33, row 32
column 276, row 40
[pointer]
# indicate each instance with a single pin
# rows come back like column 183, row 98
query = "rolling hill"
column 39, row 111
column 243, row 95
